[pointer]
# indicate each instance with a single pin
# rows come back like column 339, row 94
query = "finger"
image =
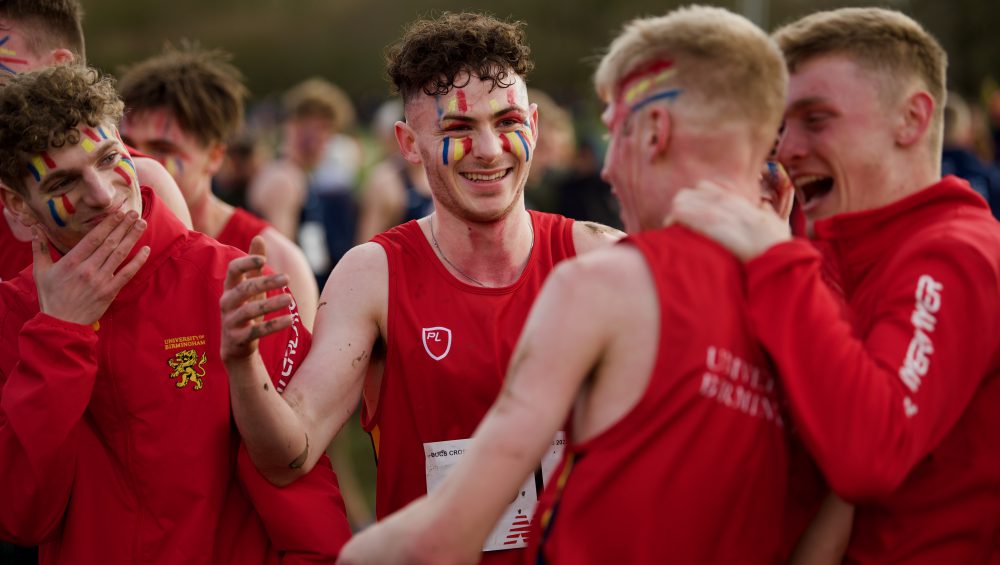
column 251, row 311
column 246, row 290
column 119, row 244
column 270, row 326
column 240, row 267
column 95, row 237
column 258, row 247
column 41, row 258
column 125, row 274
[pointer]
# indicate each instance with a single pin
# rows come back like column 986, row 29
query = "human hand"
column 81, row 285
column 736, row 224
column 244, row 303
column 777, row 189
column 411, row 536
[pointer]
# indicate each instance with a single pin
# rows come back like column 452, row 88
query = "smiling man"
column 35, row 34
column 893, row 374
column 115, row 431
column 421, row 321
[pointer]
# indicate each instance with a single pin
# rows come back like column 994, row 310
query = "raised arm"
column 285, row 436
column 560, row 346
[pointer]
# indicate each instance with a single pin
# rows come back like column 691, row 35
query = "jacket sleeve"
column 306, row 520
column 869, row 407
column 47, row 374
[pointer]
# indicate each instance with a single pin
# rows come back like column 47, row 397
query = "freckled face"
column 73, row 187
column 476, row 145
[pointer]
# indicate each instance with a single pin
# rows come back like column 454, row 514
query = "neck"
column 490, row 254
column 209, row 214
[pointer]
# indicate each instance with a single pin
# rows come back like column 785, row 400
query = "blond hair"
column 317, row 97
column 726, row 68
column 889, row 44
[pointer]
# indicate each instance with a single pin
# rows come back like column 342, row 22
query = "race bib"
column 511, row 531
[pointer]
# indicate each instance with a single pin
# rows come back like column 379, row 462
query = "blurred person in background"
column 958, row 155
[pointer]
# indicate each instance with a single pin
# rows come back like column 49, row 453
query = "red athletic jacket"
column 448, row 346
column 695, row 472
column 116, row 440
column 900, row 407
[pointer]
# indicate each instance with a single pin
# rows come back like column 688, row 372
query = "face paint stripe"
column 87, row 145
column 524, row 142
column 505, row 143
column 494, row 106
column 467, row 145
column 460, row 97
column 67, row 205
column 101, row 131
column 672, row 93
column 55, row 214
column 49, row 162
column 124, row 174
column 511, row 97
column 444, row 151
column 34, row 172
column 91, row 134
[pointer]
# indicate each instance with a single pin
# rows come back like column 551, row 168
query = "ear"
column 61, row 56
column 533, row 122
column 658, row 138
column 216, row 155
column 407, row 140
column 918, row 112
column 17, row 207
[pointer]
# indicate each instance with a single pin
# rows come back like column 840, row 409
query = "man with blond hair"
column 40, row 33
column 182, row 107
column 892, row 374
column 676, row 448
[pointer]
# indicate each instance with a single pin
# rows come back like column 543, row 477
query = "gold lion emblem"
column 183, row 365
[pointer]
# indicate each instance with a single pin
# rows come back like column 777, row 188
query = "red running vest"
column 696, row 471
column 448, row 346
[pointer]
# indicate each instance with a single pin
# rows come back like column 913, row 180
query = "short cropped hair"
column 725, row 68
column 433, row 53
column 49, row 24
column 885, row 42
column 43, row 108
column 317, row 97
column 201, row 89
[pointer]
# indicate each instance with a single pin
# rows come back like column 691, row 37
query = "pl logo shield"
column 437, row 342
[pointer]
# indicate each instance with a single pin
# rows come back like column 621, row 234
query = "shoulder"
column 606, row 271
column 588, row 236
column 276, row 177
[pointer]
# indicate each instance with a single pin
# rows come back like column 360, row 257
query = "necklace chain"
column 466, row 275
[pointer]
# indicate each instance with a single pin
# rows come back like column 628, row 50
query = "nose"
column 486, row 145
column 791, row 145
column 99, row 190
column 609, row 158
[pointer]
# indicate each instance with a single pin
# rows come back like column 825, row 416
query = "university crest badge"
column 437, row 342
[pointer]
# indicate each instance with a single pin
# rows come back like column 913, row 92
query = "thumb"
column 257, row 247
column 41, row 258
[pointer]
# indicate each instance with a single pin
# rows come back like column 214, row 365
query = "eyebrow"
column 495, row 115
column 805, row 102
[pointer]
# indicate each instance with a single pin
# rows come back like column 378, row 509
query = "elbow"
column 284, row 477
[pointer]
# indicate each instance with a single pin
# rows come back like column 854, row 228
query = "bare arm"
column 277, row 194
column 588, row 236
column 285, row 436
column 382, row 202
column 286, row 257
column 825, row 540
column 560, row 345
column 152, row 174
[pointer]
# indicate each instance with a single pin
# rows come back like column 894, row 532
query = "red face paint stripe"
column 121, row 172
column 647, row 69
column 91, row 134
column 511, row 97
column 505, row 143
column 467, row 145
column 462, row 105
column 48, row 160
column 67, row 204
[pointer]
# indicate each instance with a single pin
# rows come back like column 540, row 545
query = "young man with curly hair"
column 892, row 373
column 419, row 324
column 181, row 108
column 676, row 447
column 39, row 33
column 115, row 430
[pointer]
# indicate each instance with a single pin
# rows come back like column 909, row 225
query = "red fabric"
column 241, row 229
column 15, row 255
column 106, row 459
column 423, row 400
column 696, row 471
column 918, row 455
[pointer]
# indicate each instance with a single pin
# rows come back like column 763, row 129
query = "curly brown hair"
column 51, row 24
column 201, row 89
column 42, row 109
column 433, row 52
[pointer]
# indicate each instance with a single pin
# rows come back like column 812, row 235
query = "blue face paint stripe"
column 672, row 93
column 444, row 152
column 524, row 142
column 55, row 214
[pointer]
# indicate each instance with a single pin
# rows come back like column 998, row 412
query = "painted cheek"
column 9, row 56
column 174, row 165
column 518, row 142
column 61, row 208
column 126, row 170
column 91, row 137
column 40, row 166
column 454, row 150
